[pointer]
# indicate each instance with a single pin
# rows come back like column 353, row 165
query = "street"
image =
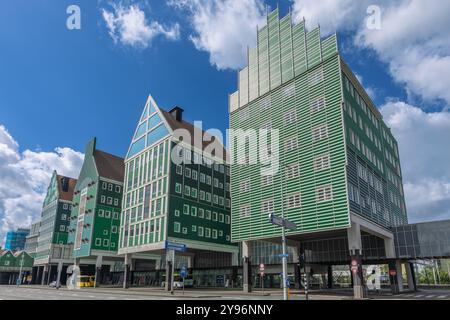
column 46, row 293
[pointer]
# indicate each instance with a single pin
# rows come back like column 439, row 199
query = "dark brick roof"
column 63, row 194
column 109, row 166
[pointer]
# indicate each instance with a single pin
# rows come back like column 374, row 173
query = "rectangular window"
column 184, row 231
column 208, row 214
column 62, row 228
column 194, row 228
column 214, row 234
column 221, row 217
column 324, row 193
column 102, row 199
column 267, row 207
column 244, row 211
column 194, row 211
column 293, row 171
column 202, row 195
column 293, row 201
column 266, row 180
column 98, row 242
column 186, row 209
column 201, row 213
column 104, row 185
column 105, row 242
column 290, row 117
column 177, row 213
column 187, row 172
column 187, row 191
column 317, row 105
column 176, row 227
column 109, row 200
column 319, row 133
column 194, row 193
column 117, row 189
column 179, row 169
column 64, row 216
column 321, row 162
column 116, row 202
column 110, row 187
column 65, row 206
column 207, row 233
column 178, row 188
column 194, row 175
column 208, row 197
column 244, row 186
column 315, row 77
column 202, row 178
column 108, row 214
column 291, row 144
column 216, row 182
column 208, row 180
column 101, row 213
column 200, row 231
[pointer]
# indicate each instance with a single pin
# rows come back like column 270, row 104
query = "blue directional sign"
column 175, row 246
column 281, row 222
column 183, row 271
column 281, row 255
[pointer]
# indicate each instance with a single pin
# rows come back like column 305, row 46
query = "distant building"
column 31, row 241
column 15, row 265
column 15, row 240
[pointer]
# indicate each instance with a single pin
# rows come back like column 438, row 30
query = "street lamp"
column 19, row 281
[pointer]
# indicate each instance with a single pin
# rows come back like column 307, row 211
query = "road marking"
column 430, row 296
column 419, row 296
column 442, row 297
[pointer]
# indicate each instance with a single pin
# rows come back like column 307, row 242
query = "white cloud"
column 24, row 177
column 424, row 145
column 224, row 28
column 129, row 25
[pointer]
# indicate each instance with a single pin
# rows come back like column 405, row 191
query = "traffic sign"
column 281, row 222
column 285, row 255
column 393, row 272
column 183, row 271
column 261, row 267
column 175, row 246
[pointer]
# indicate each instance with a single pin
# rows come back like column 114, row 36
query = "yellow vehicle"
column 86, row 281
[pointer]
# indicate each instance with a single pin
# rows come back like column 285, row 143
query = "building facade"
column 53, row 252
column 94, row 220
column 15, row 240
column 31, row 242
column 15, row 266
column 186, row 201
column 339, row 170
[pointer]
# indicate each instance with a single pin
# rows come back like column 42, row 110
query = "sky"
column 60, row 87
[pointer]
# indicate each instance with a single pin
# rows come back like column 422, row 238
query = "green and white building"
column 187, row 203
column 95, row 216
column 53, row 252
column 339, row 176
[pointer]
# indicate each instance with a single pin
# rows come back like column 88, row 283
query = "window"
column 194, row 228
column 110, row 187
column 293, row 201
column 105, row 242
column 321, row 162
column 105, row 232
column 215, row 199
column 187, row 190
column 201, row 213
column 293, row 171
column 64, row 216
column 291, row 144
column 109, row 200
column 194, row 193
column 216, row 182
column 228, row 203
column 176, row 227
column 116, row 202
column 101, row 213
column 186, row 209
column 187, row 172
column 187, row 155
column 214, row 234
column 65, row 206
column 289, row 91
column 184, row 230
column 194, row 174
column 227, row 219
column 208, row 197
column 178, row 188
column 244, row 211
column 315, row 77
column 62, row 228
column 202, row 195
column 267, row 207
column 220, row 233
column 317, row 105
column 104, row 185
column 177, row 213
column 202, row 178
column 208, row 180
column 117, row 189
column 200, row 231
column 208, row 214
column 319, row 133
column 265, row 104
column 266, row 180
column 244, row 186
column 290, row 117
column 98, row 242
column 207, row 233
column 114, row 229
column 102, row 199
column 221, row 201
column 221, row 217
column 194, row 211
column 324, row 193
column 179, row 169
column 244, row 114
column 108, row 214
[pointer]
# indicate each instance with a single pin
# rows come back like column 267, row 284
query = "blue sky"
column 60, row 87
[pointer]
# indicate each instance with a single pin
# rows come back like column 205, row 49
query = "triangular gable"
column 151, row 128
column 52, row 190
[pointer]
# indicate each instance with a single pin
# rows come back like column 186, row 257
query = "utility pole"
column 283, row 244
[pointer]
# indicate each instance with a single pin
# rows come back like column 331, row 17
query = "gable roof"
column 109, row 166
column 175, row 124
column 66, row 194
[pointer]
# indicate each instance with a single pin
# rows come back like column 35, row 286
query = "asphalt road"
column 45, row 293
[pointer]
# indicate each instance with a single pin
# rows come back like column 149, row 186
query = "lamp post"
column 19, row 281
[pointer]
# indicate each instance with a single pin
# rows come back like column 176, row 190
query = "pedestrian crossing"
column 418, row 295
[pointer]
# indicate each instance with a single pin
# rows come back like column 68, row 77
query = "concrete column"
column 395, row 276
column 126, row 270
column 235, row 258
column 330, row 277
column 398, row 264
column 45, row 273
column 169, row 267
column 58, row 276
column 98, row 271
column 190, row 262
column 411, row 276
column 246, row 266
column 355, row 248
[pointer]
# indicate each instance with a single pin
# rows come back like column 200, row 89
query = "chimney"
column 177, row 113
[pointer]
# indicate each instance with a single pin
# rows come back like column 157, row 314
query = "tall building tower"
column 186, row 202
column 94, row 221
column 15, row 240
column 339, row 174
column 52, row 247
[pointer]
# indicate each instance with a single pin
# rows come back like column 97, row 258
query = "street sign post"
column 175, row 246
column 285, row 224
column 183, row 274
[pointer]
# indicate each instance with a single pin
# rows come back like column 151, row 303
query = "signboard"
column 354, row 267
column 175, row 246
column 261, row 267
column 183, row 272
column 283, row 255
column 281, row 222
column 393, row 272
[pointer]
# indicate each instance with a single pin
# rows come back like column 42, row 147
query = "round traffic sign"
column 261, row 267
column 393, row 272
